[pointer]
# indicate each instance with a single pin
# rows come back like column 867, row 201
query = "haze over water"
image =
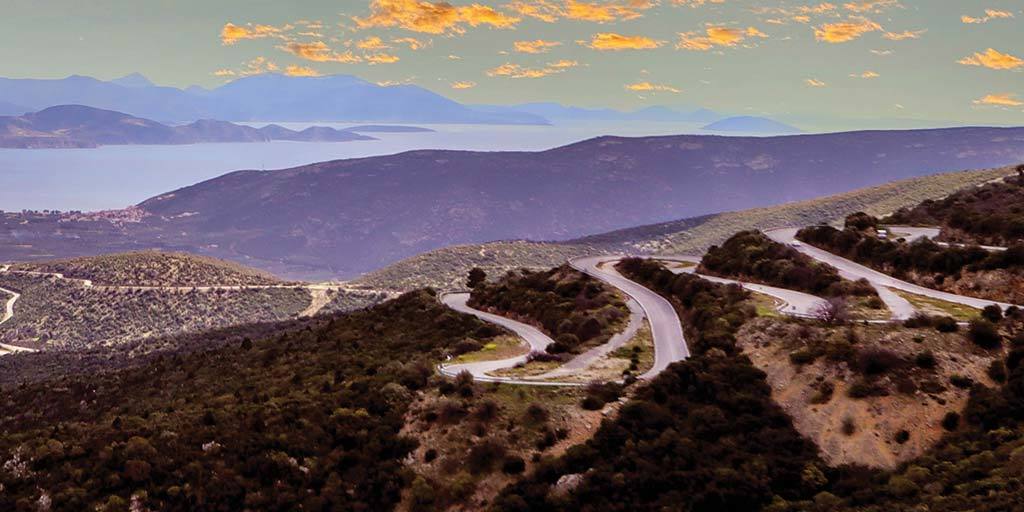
column 112, row 177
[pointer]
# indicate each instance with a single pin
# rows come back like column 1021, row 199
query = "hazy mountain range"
column 336, row 98
column 345, row 217
column 78, row 126
column 267, row 97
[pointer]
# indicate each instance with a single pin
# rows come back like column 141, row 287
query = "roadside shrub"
column 483, row 456
column 879, row 361
column 925, row 360
column 802, row 356
column 536, row 414
column 997, row 371
column 992, row 313
column 984, row 334
column 902, row 436
column 951, row 421
column 849, row 427
column 960, row 381
column 513, row 465
column 946, row 324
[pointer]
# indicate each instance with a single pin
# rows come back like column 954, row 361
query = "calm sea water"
column 117, row 176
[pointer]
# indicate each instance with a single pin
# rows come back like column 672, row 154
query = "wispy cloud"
column 696, row 3
column 866, row 75
column 318, row 51
column 605, row 12
column 993, row 59
column 906, row 34
column 535, row 46
column 871, row 6
column 606, row 41
column 716, row 36
column 382, row 58
column 372, row 43
column 649, row 87
column 1002, row 100
column 990, row 14
column 411, row 42
column 517, row 71
column 543, row 10
column 843, row 31
column 432, row 17
column 563, row 64
column 300, row 71
column 231, row 33
column 463, row 84
column 814, row 82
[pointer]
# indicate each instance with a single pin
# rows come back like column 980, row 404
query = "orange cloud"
column 716, row 36
column 431, row 17
column 611, row 41
column 990, row 14
column 372, row 43
column 875, row 6
column 231, row 33
column 536, row 46
column 517, row 71
column 382, row 58
column 1002, row 100
column 814, row 82
column 257, row 66
column 649, row 87
column 463, row 85
column 992, row 59
column 906, row 34
column 300, row 71
column 605, row 12
column 411, row 42
column 563, row 64
column 539, row 9
column 319, row 52
column 841, row 32
column 224, row 72
column 866, row 75
column 696, row 3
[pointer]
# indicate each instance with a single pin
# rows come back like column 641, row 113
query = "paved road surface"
column 853, row 270
column 793, row 303
column 669, row 343
column 913, row 233
column 537, row 340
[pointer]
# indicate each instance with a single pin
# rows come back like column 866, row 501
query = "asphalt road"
column 669, row 343
column 7, row 315
column 792, row 302
column 882, row 282
column 537, row 340
column 911, row 233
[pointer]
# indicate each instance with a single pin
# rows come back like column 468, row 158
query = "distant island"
column 79, row 126
column 751, row 124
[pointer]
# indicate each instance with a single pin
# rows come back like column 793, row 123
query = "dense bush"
column 703, row 435
column 752, row 256
column 984, row 333
column 576, row 310
column 992, row 214
column 308, row 418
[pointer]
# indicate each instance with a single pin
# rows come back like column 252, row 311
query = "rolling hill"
column 85, row 127
column 346, row 217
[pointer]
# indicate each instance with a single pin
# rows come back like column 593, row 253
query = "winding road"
column 667, row 331
column 882, row 282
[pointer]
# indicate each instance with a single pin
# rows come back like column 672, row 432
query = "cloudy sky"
column 955, row 61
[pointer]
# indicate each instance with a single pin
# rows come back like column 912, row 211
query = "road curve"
column 792, row 302
column 667, row 331
column 882, row 282
column 7, row 315
column 912, row 233
column 537, row 340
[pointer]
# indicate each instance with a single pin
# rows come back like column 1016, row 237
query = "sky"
column 960, row 62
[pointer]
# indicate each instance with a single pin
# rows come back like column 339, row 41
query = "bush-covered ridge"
column 990, row 214
column 576, row 310
column 154, row 268
column 307, row 419
column 956, row 269
column 752, row 256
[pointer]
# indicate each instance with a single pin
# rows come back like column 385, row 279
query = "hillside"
column 445, row 267
column 153, row 268
column 85, row 127
column 342, row 218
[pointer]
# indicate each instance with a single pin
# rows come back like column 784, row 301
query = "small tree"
column 834, row 311
column 476, row 277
